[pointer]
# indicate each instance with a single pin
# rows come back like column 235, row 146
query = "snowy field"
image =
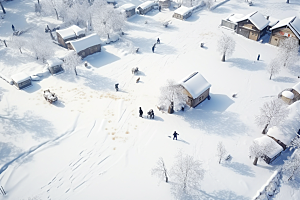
column 91, row 144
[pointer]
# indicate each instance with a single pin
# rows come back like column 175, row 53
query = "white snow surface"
column 128, row 6
column 54, row 61
column 20, row 77
column 297, row 87
column 146, row 4
column 183, row 10
column 195, row 84
column 264, row 140
column 77, row 30
column 85, row 42
column 288, row 94
column 257, row 19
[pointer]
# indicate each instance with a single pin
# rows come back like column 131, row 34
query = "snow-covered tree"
column 54, row 7
column 209, row 4
column 226, row 46
column 160, row 170
column 291, row 166
column 18, row 42
column 172, row 96
column 272, row 113
column 273, row 67
column 258, row 151
column 187, row 172
column 288, row 51
column 78, row 13
column 221, row 152
column 71, row 61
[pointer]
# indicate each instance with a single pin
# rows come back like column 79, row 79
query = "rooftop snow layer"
column 266, row 140
column 78, row 31
column 284, row 22
column 146, row 4
column 195, row 84
column 183, row 10
column 284, row 136
column 20, row 77
column 127, row 6
column 234, row 17
column 296, row 26
column 70, row 32
column 273, row 21
column 297, row 87
column 54, row 61
column 288, row 94
column 85, row 42
column 257, row 19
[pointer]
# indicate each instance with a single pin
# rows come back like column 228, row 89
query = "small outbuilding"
column 231, row 21
column 196, row 87
column 145, row 7
column 164, row 3
column 286, row 28
column 252, row 26
column 283, row 137
column 70, row 33
column 287, row 97
column 182, row 13
column 86, row 46
column 129, row 9
column 55, row 66
column 21, row 80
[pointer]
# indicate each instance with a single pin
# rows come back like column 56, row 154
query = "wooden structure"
column 287, row 97
column 70, row 33
column 182, row 13
column 289, row 27
column 145, row 7
column 290, row 95
column 129, row 9
column 164, row 3
column 55, row 66
column 282, row 136
column 21, row 80
column 86, row 46
column 252, row 26
column 196, row 87
column 231, row 21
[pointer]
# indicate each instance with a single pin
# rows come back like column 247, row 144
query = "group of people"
column 157, row 42
column 150, row 113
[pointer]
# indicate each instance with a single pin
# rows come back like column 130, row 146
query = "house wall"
column 248, row 30
column 187, row 15
column 228, row 24
column 281, row 34
column 89, row 51
column 164, row 4
column 23, row 84
column 55, row 69
column 62, row 41
column 287, row 100
column 178, row 16
column 200, row 98
column 144, row 11
column 130, row 13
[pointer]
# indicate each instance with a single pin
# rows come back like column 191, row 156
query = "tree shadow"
column 8, row 151
column 240, row 168
column 246, row 64
column 33, row 88
column 96, row 81
column 181, row 140
column 101, row 58
column 284, row 79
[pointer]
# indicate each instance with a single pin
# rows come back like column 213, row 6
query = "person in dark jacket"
column 141, row 112
column 117, row 86
column 175, row 135
column 158, row 41
column 13, row 27
column 152, row 114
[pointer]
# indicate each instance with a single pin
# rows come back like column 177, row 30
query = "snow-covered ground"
column 91, row 144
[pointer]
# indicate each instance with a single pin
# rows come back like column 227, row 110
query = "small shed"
column 287, row 97
column 289, row 27
column 164, row 3
column 231, row 21
column 21, row 80
column 145, row 7
column 276, row 150
column 282, row 137
column 196, row 87
column 86, row 46
column 71, row 33
column 55, row 66
column 252, row 26
column 129, row 9
column 182, row 13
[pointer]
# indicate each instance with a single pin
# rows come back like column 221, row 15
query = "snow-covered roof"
column 273, row 21
column 183, row 10
column 146, row 4
column 20, row 77
column 54, row 61
column 234, row 17
column 288, row 94
column 285, row 136
column 70, row 32
column 85, row 42
column 295, row 26
column 257, row 19
column 128, row 6
column 297, row 87
column 195, row 84
column 78, row 31
column 292, row 22
column 283, row 22
column 266, row 140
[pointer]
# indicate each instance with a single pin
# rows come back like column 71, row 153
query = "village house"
column 70, row 33
column 252, row 26
column 182, row 13
column 164, row 3
column 145, row 7
column 55, row 66
column 281, row 136
column 86, row 46
column 290, row 95
column 129, row 9
column 231, row 21
column 289, row 27
column 21, row 80
column 196, row 87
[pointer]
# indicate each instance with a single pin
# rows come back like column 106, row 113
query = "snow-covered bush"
column 291, row 166
column 71, row 61
column 288, row 51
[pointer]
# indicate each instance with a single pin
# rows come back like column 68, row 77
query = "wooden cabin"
column 252, row 26
column 21, row 80
column 86, row 46
column 145, row 7
column 164, row 3
column 289, row 27
column 287, row 97
column 196, row 87
column 70, row 33
column 55, row 66
column 231, row 21
column 129, row 9
column 182, row 13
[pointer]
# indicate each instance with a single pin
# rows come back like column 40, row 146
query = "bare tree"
column 187, row 172
column 258, row 151
column 291, row 166
column 221, row 152
column 172, row 95
column 273, row 68
column 18, row 42
column 272, row 113
column 209, row 4
column 160, row 170
column 288, row 51
column 226, row 46
column 71, row 61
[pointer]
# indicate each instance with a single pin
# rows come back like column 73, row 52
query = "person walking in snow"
column 117, row 86
column 175, row 135
column 141, row 112
column 13, row 27
column 152, row 114
column 159, row 8
column 158, row 41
